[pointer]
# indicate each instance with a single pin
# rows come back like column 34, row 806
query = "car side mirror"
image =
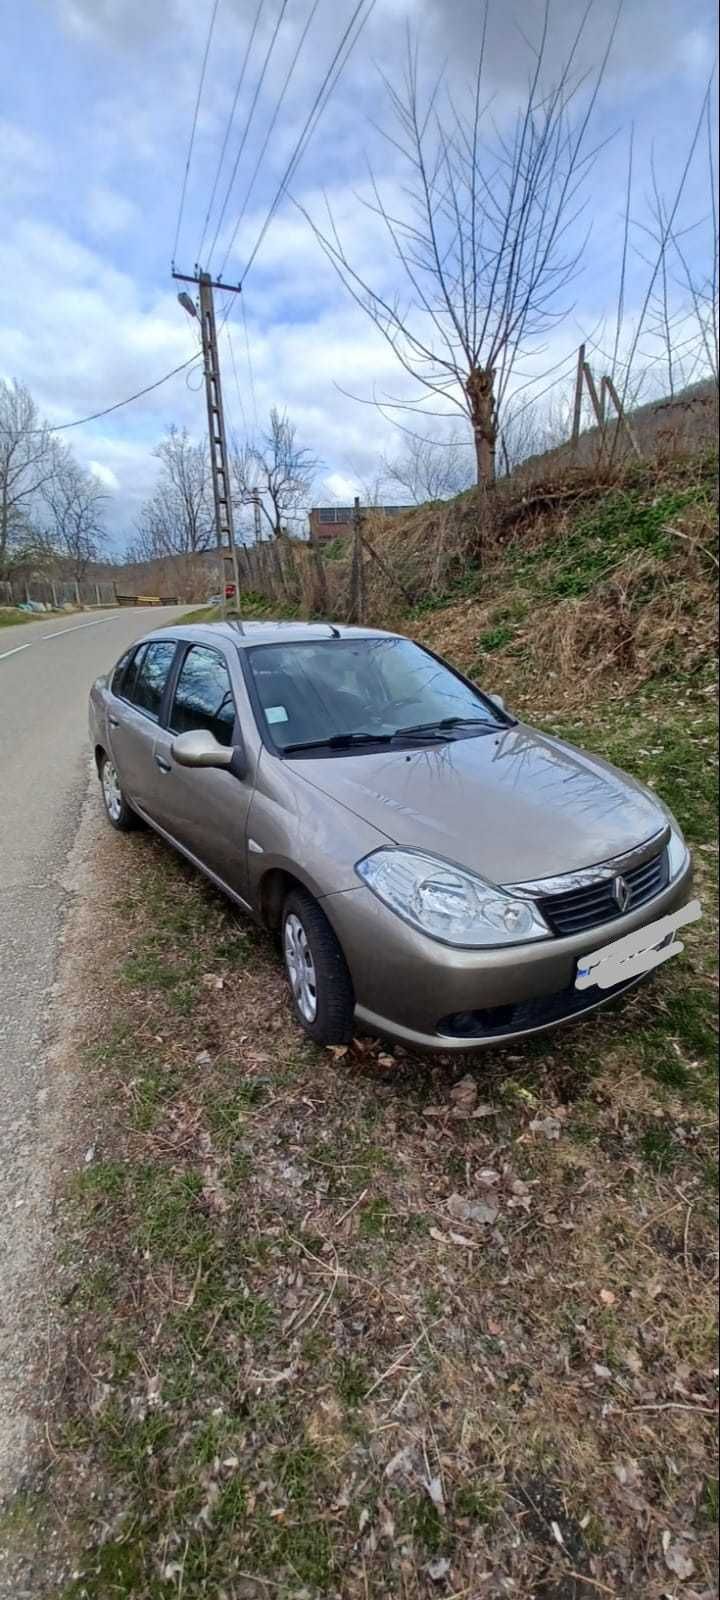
column 498, row 701
column 200, row 748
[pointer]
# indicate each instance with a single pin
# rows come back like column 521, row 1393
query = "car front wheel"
column 320, row 983
column 117, row 810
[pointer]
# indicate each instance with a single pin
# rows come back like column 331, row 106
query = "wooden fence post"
column 384, row 567
column 622, row 418
column 321, row 586
column 577, row 408
column 357, row 575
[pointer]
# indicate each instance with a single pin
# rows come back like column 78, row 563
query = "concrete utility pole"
column 222, row 493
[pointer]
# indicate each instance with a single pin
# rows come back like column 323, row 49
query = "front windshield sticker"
column 276, row 714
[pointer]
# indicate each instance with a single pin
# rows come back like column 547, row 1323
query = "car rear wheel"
column 119, row 814
column 320, row 983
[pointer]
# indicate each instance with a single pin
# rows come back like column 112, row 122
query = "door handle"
column 114, row 722
column 163, row 764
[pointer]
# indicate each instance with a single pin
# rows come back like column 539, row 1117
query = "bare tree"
column 276, row 474
column 75, row 503
column 431, row 468
column 661, row 320
column 178, row 518
column 26, row 464
column 482, row 244
column 703, row 286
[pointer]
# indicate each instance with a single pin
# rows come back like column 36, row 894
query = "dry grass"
column 297, row 1364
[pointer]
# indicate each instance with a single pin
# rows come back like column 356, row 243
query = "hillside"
column 541, row 587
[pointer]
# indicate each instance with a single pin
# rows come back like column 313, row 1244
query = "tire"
column 119, row 814
column 316, row 969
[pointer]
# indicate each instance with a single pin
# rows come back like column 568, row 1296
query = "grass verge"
column 14, row 619
column 298, row 1365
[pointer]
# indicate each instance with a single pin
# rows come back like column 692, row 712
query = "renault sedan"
column 438, row 872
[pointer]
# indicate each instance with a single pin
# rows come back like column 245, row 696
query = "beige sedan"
column 438, row 872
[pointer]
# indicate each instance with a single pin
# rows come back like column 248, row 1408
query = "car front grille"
column 596, row 903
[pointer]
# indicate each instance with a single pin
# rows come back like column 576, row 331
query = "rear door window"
column 148, row 688
column 203, row 695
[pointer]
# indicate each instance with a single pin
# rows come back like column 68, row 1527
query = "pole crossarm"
column 213, row 283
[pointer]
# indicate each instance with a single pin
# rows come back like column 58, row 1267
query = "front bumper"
column 406, row 985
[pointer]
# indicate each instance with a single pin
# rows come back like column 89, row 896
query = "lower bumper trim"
column 529, row 1016
column 526, row 1015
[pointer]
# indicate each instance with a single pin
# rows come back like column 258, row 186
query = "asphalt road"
column 46, row 669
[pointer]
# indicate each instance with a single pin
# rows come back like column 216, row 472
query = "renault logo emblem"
column 621, row 894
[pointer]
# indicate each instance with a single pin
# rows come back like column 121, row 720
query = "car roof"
column 244, row 634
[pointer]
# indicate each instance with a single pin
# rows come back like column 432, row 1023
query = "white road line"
column 98, row 623
column 14, row 652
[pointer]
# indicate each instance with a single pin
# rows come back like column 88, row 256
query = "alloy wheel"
column 300, row 968
column 112, row 791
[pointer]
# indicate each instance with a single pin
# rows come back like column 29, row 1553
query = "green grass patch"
column 658, row 1148
column 14, row 619
column 252, row 607
column 624, row 522
column 495, row 638
column 466, row 583
column 480, row 1501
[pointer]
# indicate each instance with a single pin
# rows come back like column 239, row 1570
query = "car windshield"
column 314, row 692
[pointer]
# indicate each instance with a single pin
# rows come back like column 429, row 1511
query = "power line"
column 273, row 120
column 249, row 362
column 231, row 348
column 79, row 421
column 324, row 93
column 228, row 127
column 248, row 122
column 183, row 191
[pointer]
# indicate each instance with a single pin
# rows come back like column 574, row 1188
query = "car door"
column 205, row 809
column 133, row 717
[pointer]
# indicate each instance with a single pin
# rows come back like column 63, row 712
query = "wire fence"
column 54, row 594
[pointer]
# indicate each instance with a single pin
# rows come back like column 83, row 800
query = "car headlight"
column 449, row 904
column 677, row 851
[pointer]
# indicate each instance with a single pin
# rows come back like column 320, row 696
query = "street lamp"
column 187, row 304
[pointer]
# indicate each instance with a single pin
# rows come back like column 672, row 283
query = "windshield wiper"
column 350, row 741
column 339, row 741
column 449, row 722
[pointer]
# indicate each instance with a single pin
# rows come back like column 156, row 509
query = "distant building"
column 336, row 522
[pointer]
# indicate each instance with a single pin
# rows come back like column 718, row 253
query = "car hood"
column 512, row 806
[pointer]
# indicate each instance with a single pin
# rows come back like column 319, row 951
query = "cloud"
column 109, row 213
column 26, row 161
column 116, row 26
column 104, row 475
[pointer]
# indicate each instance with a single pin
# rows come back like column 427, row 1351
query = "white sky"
column 94, row 132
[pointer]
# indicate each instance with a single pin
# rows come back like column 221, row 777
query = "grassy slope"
column 296, row 1370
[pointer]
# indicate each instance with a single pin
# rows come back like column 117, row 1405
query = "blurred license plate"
column 637, row 952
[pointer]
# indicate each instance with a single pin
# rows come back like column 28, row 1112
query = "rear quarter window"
column 118, row 677
column 149, row 685
column 130, row 675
